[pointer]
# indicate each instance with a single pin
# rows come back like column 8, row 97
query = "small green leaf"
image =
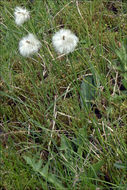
column 38, row 165
column 83, row 41
column 32, row 163
column 124, row 82
column 52, row 179
column 95, row 169
column 44, row 171
column 64, row 144
column 87, row 91
column 120, row 165
column 122, row 56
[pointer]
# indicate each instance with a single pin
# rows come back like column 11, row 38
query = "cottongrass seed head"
column 64, row 41
column 21, row 15
column 29, row 45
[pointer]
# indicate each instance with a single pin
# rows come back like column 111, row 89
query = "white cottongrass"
column 21, row 15
column 29, row 45
column 64, row 41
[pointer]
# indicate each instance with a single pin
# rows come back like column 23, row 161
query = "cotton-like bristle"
column 64, row 41
column 29, row 45
column 21, row 15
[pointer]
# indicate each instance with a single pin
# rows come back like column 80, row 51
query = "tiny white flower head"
column 64, row 41
column 21, row 15
column 29, row 45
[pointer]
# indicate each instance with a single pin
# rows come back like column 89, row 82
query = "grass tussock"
column 48, row 140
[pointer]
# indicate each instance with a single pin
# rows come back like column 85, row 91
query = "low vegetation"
column 63, row 118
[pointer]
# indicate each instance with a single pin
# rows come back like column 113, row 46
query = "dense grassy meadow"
column 49, row 138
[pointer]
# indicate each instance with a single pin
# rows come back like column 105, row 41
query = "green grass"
column 47, row 140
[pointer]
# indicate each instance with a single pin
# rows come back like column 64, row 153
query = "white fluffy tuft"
column 64, row 41
column 29, row 45
column 21, row 15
